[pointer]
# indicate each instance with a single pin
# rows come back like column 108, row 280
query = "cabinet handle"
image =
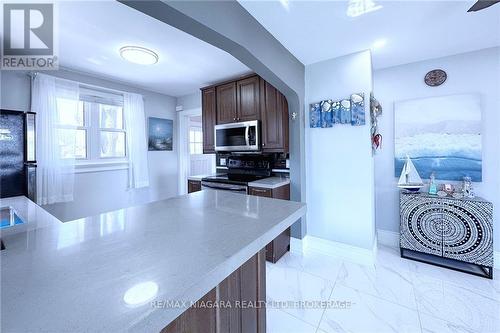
column 263, row 144
column 258, row 190
column 234, row 118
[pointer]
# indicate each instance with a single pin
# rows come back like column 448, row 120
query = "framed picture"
column 440, row 135
column 160, row 135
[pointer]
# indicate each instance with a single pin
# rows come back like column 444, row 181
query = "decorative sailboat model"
column 410, row 179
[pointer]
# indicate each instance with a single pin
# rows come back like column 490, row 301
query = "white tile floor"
column 393, row 295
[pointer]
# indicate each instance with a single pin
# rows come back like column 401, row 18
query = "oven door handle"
column 239, row 189
column 247, row 140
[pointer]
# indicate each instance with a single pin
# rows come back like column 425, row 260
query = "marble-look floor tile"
column 432, row 324
column 318, row 264
column 281, row 322
column 390, row 257
column 456, row 304
column 486, row 287
column 294, row 286
column 368, row 314
column 381, row 281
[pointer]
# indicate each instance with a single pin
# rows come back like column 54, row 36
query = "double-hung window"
column 97, row 128
column 195, row 140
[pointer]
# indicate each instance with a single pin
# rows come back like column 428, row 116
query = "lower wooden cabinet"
column 245, row 286
column 194, row 186
column 281, row 244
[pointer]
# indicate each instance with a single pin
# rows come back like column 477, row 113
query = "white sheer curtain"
column 137, row 149
column 55, row 175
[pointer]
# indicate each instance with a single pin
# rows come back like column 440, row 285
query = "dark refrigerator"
column 17, row 154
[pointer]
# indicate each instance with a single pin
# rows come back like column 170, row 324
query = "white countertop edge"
column 271, row 185
column 157, row 321
column 196, row 177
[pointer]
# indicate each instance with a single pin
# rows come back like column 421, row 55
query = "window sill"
column 84, row 167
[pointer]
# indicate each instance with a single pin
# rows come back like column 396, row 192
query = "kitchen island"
column 135, row 269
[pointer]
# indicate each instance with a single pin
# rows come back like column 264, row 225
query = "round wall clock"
column 435, row 77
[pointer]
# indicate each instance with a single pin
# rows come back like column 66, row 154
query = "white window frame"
column 93, row 162
column 199, row 129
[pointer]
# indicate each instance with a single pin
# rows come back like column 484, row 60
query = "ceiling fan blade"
column 482, row 4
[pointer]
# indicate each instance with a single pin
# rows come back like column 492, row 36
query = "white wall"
column 474, row 72
column 191, row 101
column 97, row 192
column 339, row 163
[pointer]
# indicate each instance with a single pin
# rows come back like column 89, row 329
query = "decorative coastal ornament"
column 375, row 112
column 467, row 190
column 435, row 78
column 377, row 141
column 410, row 179
column 432, row 185
column 448, row 188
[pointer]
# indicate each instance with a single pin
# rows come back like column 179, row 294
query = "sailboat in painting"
column 410, row 179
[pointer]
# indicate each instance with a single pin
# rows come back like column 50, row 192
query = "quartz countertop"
column 270, row 182
column 197, row 177
column 92, row 274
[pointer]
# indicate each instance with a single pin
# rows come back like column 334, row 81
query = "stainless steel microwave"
column 244, row 136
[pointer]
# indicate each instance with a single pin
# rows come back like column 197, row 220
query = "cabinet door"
column 420, row 224
column 226, row 103
column 194, row 186
column 260, row 192
column 274, row 115
column 208, row 109
column 468, row 231
column 248, row 98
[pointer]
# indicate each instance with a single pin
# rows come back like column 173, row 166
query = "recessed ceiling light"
column 379, row 43
column 285, row 4
column 139, row 55
column 359, row 7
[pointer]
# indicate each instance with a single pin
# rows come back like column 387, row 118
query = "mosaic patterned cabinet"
column 449, row 232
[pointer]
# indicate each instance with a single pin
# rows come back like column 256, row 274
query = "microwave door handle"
column 247, row 140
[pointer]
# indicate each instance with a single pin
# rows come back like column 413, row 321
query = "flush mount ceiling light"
column 139, row 55
column 359, row 7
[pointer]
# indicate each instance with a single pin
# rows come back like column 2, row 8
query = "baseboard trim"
column 388, row 238
column 296, row 245
column 331, row 248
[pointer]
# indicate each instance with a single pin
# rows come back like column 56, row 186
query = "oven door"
column 241, row 189
column 244, row 136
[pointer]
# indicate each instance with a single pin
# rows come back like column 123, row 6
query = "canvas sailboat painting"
column 410, row 179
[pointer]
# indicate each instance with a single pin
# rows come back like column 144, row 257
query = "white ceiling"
column 92, row 32
column 414, row 30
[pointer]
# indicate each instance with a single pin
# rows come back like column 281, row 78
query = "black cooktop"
column 232, row 179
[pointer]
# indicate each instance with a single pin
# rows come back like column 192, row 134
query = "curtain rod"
column 34, row 74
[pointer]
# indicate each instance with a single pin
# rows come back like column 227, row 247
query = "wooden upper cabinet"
column 248, row 98
column 209, row 119
column 226, row 103
column 274, row 117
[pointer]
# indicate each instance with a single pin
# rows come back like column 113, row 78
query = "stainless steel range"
column 241, row 169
